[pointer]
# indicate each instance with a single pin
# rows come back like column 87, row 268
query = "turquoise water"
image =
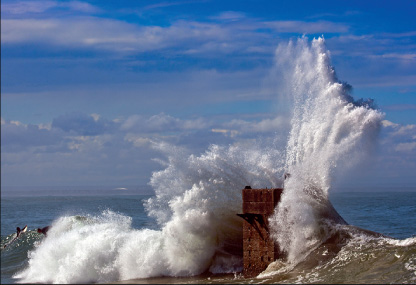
column 389, row 213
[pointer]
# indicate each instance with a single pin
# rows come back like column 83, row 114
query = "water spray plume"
column 329, row 133
column 197, row 197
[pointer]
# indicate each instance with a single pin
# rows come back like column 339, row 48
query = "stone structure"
column 259, row 250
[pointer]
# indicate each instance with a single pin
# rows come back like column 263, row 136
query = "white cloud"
column 400, row 35
column 83, row 32
column 82, row 124
column 230, row 133
column 399, row 138
column 404, row 130
column 24, row 7
column 398, row 130
column 276, row 124
column 89, row 143
column 376, row 47
column 79, row 6
column 406, row 147
column 36, row 7
column 47, row 126
column 303, row 27
column 125, row 154
column 194, row 37
column 17, row 136
column 95, row 116
column 165, row 4
column 131, row 122
column 161, row 123
column 387, row 123
column 404, row 56
column 138, row 140
column 17, row 123
column 108, row 34
column 229, row 16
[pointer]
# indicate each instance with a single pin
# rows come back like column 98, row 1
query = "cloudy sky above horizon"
column 87, row 86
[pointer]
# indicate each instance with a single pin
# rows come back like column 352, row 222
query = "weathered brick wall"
column 259, row 250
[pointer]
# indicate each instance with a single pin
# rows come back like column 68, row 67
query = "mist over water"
column 197, row 197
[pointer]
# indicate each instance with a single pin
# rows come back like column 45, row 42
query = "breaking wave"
column 329, row 130
column 197, row 196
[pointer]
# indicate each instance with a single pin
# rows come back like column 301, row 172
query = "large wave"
column 330, row 132
column 197, row 197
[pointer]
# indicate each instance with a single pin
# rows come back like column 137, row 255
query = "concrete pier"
column 259, row 250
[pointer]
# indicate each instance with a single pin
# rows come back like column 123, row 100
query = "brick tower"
column 259, row 250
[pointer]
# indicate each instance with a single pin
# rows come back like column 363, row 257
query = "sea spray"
column 78, row 249
column 197, row 197
column 196, row 202
column 329, row 130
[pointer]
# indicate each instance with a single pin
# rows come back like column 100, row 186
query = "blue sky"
column 86, row 85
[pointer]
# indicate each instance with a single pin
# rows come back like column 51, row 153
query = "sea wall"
column 259, row 249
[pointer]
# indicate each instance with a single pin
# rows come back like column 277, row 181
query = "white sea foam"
column 405, row 242
column 78, row 250
column 197, row 197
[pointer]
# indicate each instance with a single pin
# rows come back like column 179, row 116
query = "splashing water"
column 197, row 197
column 329, row 130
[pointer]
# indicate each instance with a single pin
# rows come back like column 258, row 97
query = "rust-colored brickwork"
column 259, row 249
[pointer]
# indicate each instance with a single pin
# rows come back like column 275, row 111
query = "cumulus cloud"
column 398, row 149
column 161, row 123
column 396, row 160
column 406, row 147
column 83, row 124
column 34, row 155
column 138, row 140
column 277, row 124
column 231, row 133
column 399, row 131
column 93, row 148
column 16, row 136
column 79, row 132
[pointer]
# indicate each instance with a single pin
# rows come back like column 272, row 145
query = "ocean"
column 188, row 231
column 386, row 260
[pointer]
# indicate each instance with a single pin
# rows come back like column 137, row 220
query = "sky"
column 86, row 86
